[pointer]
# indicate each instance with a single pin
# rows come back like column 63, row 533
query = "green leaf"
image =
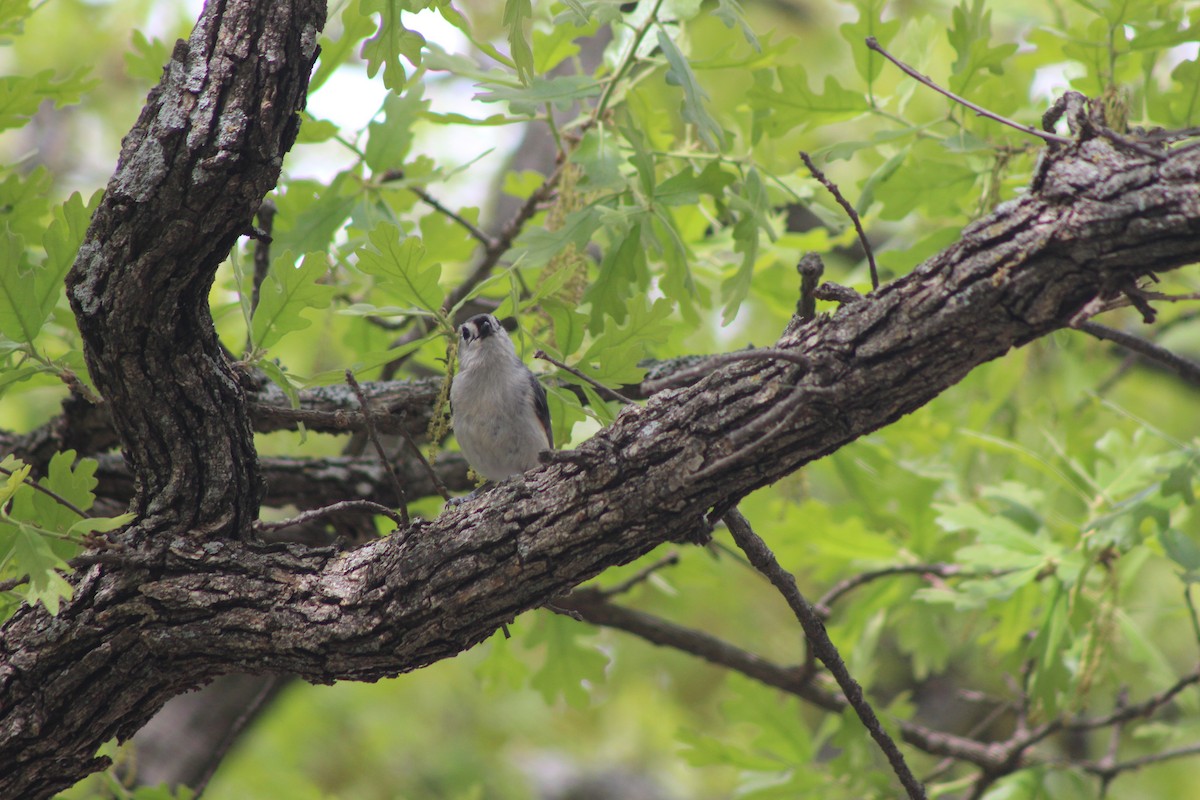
column 1179, row 481
column 401, row 264
column 731, row 13
column 620, row 277
column 100, row 524
column 536, row 246
column 795, row 104
column 870, row 23
column 569, row 663
column 27, row 551
column 569, row 325
column 73, row 482
column 517, row 14
column 391, row 40
column 146, row 61
column 18, row 472
column 551, row 48
column 287, row 291
column 20, row 317
column 25, row 203
column 1180, row 548
column 355, row 27
column 753, row 206
column 613, row 356
column 561, row 92
column 12, row 18
column 22, row 96
column 28, row 293
column 61, row 242
column 388, row 142
column 679, row 73
column 314, row 131
column 969, row 33
column 310, row 213
column 686, row 186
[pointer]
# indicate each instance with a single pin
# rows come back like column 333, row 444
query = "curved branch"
column 192, row 173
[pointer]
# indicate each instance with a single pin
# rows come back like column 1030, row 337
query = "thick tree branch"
column 182, row 600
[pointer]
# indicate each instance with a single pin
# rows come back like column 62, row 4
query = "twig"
column 836, row 293
column 669, row 560
column 499, row 245
column 431, row 201
column 1114, row 743
column 433, row 476
column 1110, row 772
column 810, row 268
column 764, row 560
column 12, row 583
column 235, row 730
column 262, row 249
column 58, row 498
column 873, row 44
column 332, row 508
column 832, row 188
column 1143, row 709
column 598, row 610
column 611, row 394
column 374, row 436
column 503, row 241
column 1184, row 367
column 841, row 588
column 1131, row 144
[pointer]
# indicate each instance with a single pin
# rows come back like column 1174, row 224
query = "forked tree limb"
column 184, row 595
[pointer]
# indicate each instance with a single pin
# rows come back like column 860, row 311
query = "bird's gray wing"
column 542, row 409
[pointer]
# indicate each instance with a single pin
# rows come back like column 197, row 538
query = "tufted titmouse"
column 498, row 407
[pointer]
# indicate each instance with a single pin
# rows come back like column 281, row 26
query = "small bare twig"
column 610, row 394
column 832, row 188
column 810, row 268
column 12, row 583
column 492, row 253
column 433, row 476
column 1132, row 144
column 818, row 640
column 873, row 44
column 669, row 560
column 262, row 249
column 332, row 508
column 843, row 587
column 1184, row 367
column 1143, row 709
column 503, row 241
column 1107, row 773
column 431, row 201
column 836, row 293
column 374, row 436
column 270, row 685
column 58, row 498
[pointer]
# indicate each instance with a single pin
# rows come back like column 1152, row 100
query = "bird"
column 497, row 407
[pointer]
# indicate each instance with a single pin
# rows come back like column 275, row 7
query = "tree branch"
column 820, row 644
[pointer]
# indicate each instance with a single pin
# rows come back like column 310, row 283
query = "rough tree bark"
column 185, row 594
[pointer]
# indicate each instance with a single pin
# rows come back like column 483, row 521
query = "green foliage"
column 1063, row 521
column 41, row 530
